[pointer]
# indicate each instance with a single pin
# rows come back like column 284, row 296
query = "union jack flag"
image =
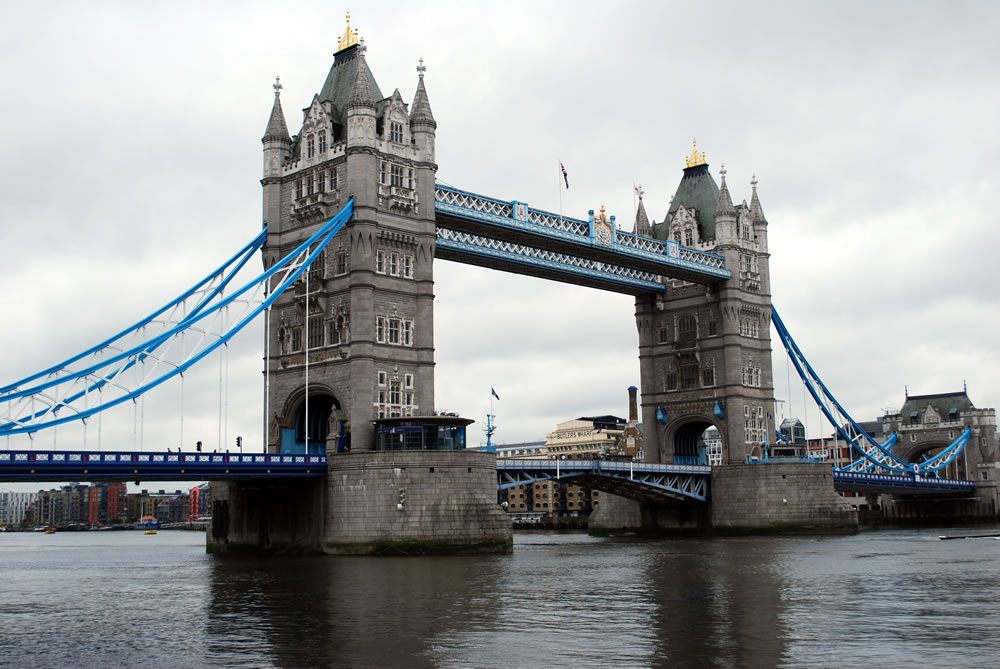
column 565, row 176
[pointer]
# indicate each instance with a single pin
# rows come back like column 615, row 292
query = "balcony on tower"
column 315, row 206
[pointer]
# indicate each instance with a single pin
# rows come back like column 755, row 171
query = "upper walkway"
column 511, row 236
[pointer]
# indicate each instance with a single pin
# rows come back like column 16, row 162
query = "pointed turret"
column 755, row 209
column 277, row 149
column 642, row 227
column 361, row 93
column 277, row 129
column 420, row 113
column 422, row 123
column 724, row 205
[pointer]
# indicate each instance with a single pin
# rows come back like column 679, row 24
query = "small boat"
column 149, row 523
column 51, row 529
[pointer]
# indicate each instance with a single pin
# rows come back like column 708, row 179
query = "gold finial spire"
column 350, row 38
column 695, row 158
column 603, row 216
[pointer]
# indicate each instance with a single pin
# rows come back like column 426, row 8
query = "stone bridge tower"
column 351, row 346
column 705, row 350
column 366, row 322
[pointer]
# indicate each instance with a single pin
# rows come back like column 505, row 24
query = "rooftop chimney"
column 633, row 408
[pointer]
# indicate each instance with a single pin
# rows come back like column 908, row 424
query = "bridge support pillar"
column 406, row 502
column 618, row 514
column 779, row 497
column 266, row 515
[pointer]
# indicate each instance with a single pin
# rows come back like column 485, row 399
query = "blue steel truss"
column 471, row 248
column 896, row 484
column 529, row 228
column 159, row 347
column 873, row 456
column 22, row 465
column 636, row 480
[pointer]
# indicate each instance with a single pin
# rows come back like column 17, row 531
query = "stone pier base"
column 392, row 502
column 758, row 498
column 406, row 502
column 779, row 497
column 618, row 515
column 267, row 515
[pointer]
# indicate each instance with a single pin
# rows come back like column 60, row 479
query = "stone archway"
column 326, row 427
column 922, row 451
column 687, row 445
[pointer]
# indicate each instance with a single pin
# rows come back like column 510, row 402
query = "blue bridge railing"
column 152, row 466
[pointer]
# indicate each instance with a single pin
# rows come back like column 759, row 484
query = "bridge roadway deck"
column 153, row 466
column 636, row 480
column 899, row 484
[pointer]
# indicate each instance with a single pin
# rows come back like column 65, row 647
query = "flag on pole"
column 494, row 393
column 565, row 176
column 638, row 191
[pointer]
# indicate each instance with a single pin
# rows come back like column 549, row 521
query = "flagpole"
column 559, row 178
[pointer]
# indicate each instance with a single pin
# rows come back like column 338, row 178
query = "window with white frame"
column 751, row 376
column 408, row 381
column 396, row 175
column 380, row 261
column 381, row 172
column 381, row 378
column 394, row 264
column 407, row 266
column 394, row 331
column 396, row 132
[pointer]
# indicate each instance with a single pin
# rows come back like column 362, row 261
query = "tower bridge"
column 349, row 344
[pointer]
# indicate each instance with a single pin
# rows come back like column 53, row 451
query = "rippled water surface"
column 898, row 598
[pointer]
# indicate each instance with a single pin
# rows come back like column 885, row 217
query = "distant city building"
column 14, row 506
column 712, row 442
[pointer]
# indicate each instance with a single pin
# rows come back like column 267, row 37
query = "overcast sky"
column 132, row 158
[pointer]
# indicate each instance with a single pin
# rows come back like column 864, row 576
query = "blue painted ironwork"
column 115, row 371
column 20, row 465
column 503, row 217
column 873, row 454
column 892, row 483
column 637, row 480
column 466, row 245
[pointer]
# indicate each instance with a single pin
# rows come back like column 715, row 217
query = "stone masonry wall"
column 778, row 496
column 448, row 503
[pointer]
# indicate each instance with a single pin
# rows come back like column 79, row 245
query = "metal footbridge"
column 635, row 480
column 511, row 236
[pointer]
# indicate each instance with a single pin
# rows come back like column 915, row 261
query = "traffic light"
column 198, row 446
column 239, row 442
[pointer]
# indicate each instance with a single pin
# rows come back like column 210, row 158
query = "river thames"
column 892, row 598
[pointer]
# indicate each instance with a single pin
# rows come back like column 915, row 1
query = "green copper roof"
column 340, row 82
column 697, row 190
